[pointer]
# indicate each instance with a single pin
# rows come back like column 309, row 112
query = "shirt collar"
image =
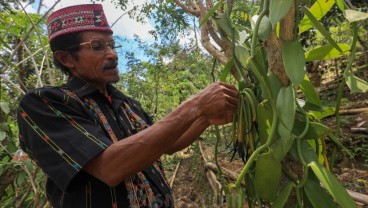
column 82, row 88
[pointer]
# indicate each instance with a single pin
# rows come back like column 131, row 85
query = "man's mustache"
column 111, row 64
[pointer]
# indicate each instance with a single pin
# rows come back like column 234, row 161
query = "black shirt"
column 62, row 128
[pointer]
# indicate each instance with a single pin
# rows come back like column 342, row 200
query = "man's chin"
column 114, row 81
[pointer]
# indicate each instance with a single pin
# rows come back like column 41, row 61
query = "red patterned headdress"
column 77, row 18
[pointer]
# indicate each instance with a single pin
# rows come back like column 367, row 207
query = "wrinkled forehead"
column 90, row 35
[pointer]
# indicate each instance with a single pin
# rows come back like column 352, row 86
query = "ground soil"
column 192, row 189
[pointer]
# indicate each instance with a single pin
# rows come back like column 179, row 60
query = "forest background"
column 164, row 71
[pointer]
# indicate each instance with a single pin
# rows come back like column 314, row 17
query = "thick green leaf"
column 353, row 16
column 242, row 54
column 327, row 111
column 310, row 92
column 315, row 131
column 308, row 153
column 321, row 29
column 260, row 60
column 281, row 199
column 275, row 84
column 313, row 144
column 294, row 61
column 326, row 52
column 282, row 146
column 4, row 107
column 332, row 185
column 264, row 120
column 243, row 35
column 319, row 9
column 316, row 194
column 224, row 22
column 340, row 4
column 285, row 106
column 308, row 106
column 278, row 9
column 356, row 84
column 267, row 176
column 226, row 70
column 211, row 12
column 265, row 28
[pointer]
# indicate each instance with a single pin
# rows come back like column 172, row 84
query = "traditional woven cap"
column 85, row 17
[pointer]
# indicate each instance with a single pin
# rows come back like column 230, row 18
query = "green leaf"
column 226, row 70
column 285, row 106
column 319, row 9
column 21, row 178
column 340, row 4
column 29, row 165
column 308, row 153
column 2, row 135
column 355, row 84
column 6, row 159
column 327, row 111
column 265, row 28
column 326, row 52
column 278, row 9
column 282, row 146
column 332, row 185
column 316, row 194
column 321, row 29
column 310, row 92
column 242, row 54
column 281, row 199
column 5, row 44
column 313, row 144
column 274, row 84
column 4, row 107
column 294, row 61
column 315, row 131
column 211, row 12
column 353, row 16
column 264, row 120
column 267, row 176
column 224, row 22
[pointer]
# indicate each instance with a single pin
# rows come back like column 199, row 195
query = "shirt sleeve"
column 59, row 133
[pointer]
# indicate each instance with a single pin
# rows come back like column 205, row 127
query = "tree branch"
column 210, row 48
column 186, row 9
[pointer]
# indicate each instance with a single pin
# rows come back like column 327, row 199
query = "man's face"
column 96, row 66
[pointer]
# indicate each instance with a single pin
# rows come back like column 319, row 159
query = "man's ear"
column 64, row 58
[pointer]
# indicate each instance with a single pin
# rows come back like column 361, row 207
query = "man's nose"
column 111, row 53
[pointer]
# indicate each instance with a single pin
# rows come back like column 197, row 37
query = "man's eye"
column 112, row 44
column 98, row 45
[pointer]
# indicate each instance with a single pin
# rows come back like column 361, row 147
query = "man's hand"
column 220, row 119
column 217, row 103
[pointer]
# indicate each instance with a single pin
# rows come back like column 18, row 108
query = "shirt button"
column 162, row 184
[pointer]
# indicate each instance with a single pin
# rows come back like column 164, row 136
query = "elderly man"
column 97, row 147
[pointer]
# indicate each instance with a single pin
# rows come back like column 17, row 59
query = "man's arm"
column 181, row 127
column 196, row 129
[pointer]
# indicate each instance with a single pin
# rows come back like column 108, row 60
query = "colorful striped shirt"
column 62, row 128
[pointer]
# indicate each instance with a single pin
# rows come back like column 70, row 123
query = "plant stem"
column 216, row 149
column 255, row 32
column 342, row 83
